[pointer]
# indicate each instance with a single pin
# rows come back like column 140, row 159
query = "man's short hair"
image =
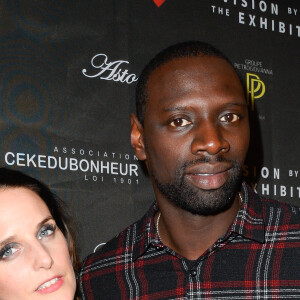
column 185, row 49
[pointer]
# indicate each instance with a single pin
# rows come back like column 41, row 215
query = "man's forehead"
column 186, row 72
column 179, row 69
column 194, row 78
column 189, row 62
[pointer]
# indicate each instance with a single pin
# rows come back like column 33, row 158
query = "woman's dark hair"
column 16, row 179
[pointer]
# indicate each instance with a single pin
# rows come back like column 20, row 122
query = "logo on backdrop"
column 284, row 182
column 159, row 2
column 265, row 15
column 106, row 70
column 255, row 89
column 94, row 165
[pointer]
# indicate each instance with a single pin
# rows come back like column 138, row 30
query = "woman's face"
column 34, row 256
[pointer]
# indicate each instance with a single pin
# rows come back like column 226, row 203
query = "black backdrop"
column 68, row 71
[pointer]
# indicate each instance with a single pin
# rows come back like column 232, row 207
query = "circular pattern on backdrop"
column 17, row 140
column 47, row 17
column 31, row 92
column 27, row 103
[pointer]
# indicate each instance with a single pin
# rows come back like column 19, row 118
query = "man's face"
column 196, row 133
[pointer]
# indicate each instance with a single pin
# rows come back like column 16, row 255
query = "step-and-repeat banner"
column 68, row 71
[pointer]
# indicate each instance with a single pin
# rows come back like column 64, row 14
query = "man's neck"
column 191, row 235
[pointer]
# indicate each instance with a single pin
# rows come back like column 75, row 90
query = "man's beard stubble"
column 198, row 201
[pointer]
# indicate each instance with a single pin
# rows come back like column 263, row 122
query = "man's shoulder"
column 284, row 206
column 287, row 211
column 101, row 268
column 123, row 248
column 116, row 247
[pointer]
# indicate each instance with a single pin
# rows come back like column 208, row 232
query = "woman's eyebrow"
column 7, row 240
column 38, row 226
column 12, row 238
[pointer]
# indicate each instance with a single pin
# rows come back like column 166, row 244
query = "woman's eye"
column 8, row 251
column 45, row 231
column 230, row 118
column 180, row 122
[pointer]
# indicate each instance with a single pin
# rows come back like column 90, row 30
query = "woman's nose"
column 42, row 256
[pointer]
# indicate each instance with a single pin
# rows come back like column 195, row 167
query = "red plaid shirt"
column 257, row 258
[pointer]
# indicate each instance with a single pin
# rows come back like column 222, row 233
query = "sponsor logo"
column 159, row 2
column 274, row 181
column 253, row 66
column 255, row 89
column 94, row 165
column 260, row 14
column 106, row 70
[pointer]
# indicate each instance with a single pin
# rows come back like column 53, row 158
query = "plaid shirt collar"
column 248, row 223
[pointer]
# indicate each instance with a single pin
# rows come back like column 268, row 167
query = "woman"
column 37, row 254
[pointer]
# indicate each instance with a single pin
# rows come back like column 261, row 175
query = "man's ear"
column 137, row 137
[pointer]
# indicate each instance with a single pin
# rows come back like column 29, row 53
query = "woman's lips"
column 208, row 181
column 50, row 286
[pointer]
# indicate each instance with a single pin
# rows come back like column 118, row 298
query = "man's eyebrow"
column 244, row 104
column 182, row 108
column 175, row 108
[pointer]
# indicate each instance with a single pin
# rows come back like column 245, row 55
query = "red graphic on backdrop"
column 159, row 2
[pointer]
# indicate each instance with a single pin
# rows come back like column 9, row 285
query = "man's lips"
column 208, row 176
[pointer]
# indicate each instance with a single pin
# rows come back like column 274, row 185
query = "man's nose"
column 209, row 137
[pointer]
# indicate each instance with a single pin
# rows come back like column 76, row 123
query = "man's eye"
column 8, row 251
column 179, row 122
column 45, row 231
column 230, row 118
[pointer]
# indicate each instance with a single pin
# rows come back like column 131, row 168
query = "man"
column 207, row 236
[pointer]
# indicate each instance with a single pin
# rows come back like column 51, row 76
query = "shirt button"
column 159, row 248
column 193, row 273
